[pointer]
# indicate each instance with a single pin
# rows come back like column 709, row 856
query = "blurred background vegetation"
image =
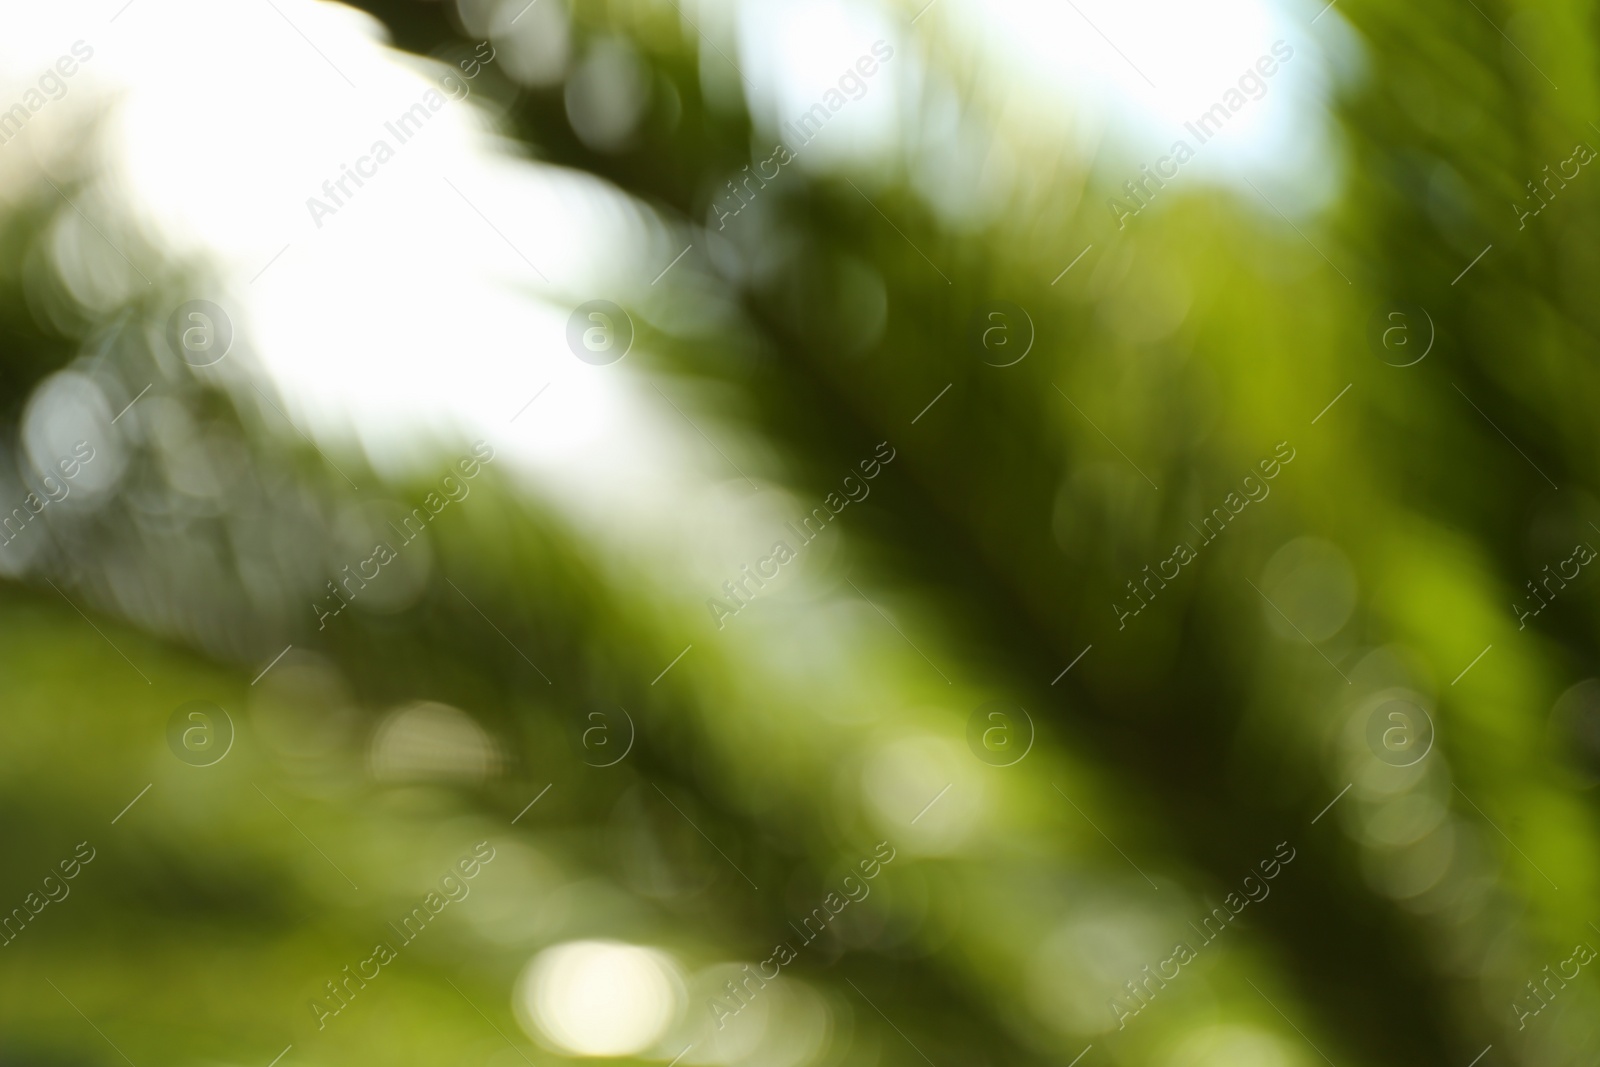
column 668, row 798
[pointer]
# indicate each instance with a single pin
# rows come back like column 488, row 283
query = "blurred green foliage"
column 1170, row 761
